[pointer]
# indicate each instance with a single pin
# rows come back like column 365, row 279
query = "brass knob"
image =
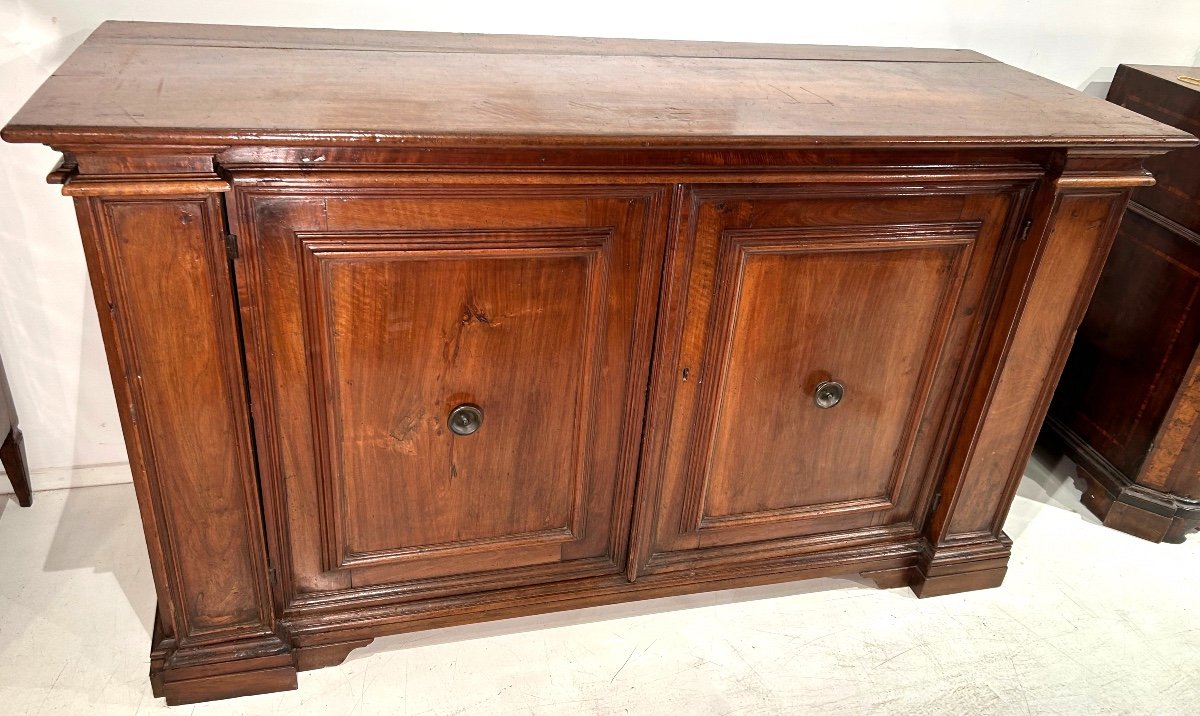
column 465, row 419
column 829, row 393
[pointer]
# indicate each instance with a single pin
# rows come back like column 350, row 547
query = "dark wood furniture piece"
column 412, row 330
column 1128, row 408
column 12, row 450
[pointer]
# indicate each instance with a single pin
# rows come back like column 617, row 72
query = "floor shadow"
column 100, row 529
column 1052, row 479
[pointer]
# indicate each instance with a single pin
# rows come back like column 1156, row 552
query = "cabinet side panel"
column 106, row 305
column 1133, row 350
column 172, row 343
column 1081, row 227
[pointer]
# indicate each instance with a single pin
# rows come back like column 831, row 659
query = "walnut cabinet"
column 411, row 330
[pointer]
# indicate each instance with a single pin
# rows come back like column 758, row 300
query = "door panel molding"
column 737, row 248
column 325, row 252
column 282, row 230
column 960, row 238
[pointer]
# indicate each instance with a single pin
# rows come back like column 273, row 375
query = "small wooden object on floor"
column 12, row 451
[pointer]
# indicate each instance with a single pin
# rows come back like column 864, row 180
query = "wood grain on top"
column 241, row 85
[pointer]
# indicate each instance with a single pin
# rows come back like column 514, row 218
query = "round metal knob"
column 465, row 419
column 829, row 393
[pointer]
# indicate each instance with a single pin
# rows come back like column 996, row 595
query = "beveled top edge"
column 216, row 139
column 161, row 85
column 306, row 38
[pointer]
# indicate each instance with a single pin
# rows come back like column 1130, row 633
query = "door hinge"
column 231, row 246
column 1025, row 230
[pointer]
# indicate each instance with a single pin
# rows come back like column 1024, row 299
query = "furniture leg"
column 12, row 454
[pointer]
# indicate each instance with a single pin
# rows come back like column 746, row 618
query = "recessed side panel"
column 162, row 279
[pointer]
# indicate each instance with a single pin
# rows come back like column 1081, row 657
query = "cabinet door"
column 374, row 315
column 813, row 343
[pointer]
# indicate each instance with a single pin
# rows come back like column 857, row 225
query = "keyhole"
column 465, row 419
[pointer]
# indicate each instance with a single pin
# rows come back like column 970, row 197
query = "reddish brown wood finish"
column 637, row 258
column 1071, row 229
column 1156, row 92
column 181, row 385
column 1128, row 409
column 12, row 446
column 533, row 303
column 332, row 87
column 779, row 289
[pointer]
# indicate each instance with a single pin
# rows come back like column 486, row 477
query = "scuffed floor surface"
column 1089, row 621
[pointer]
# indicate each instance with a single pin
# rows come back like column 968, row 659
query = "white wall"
column 49, row 336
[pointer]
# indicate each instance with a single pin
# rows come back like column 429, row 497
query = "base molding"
column 227, row 686
column 189, row 675
column 69, row 477
column 270, row 663
column 962, row 566
column 1136, row 510
column 1118, row 501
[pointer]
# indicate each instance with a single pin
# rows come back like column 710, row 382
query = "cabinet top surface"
column 1173, row 73
column 218, row 85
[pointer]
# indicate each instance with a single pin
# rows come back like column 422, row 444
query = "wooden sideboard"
column 411, row 330
column 1128, row 409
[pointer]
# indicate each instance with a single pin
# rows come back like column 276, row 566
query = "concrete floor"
column 1089, row 621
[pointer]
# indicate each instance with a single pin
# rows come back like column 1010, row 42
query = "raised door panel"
column 373, row 318
column 812, row 307
column 877, row 292
column 406, row 334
